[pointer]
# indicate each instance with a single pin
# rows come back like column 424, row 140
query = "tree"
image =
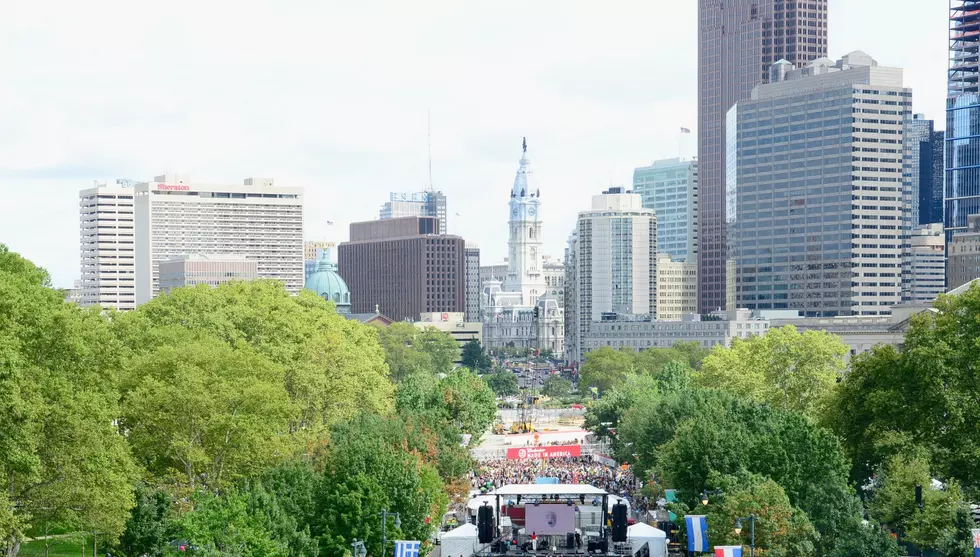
column 333, row 367
column 504, row 383
column 606, row 368
column 149, row 527
column 61, row 457
column 223, row 525
column 474, row 357
column 205, row 414
column 785, row 368
column 409, row 349
column 468, row 401
column 556, row 386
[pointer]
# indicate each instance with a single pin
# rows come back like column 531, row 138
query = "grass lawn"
column 59, row 548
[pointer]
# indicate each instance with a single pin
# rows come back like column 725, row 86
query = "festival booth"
column 461, row 541
column 641, row 534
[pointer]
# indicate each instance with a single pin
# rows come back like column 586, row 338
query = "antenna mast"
column 428, row 118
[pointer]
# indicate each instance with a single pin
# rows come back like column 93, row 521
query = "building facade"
column 922, row 191
column 472, row 254
column 962, row 155
column 517, row 308
column 454, row 324
column 554, row 279
column 194, row 269
column 924, row 264
column 815, row 183
column 313, row 251
column 670, row 188
column 677, row 287
column 257, row 219
column 615, row 263
column 108, row 246
column 327, row 283
column 402, row 268
column 738, row 41
column 964, row 255
column 417, row 204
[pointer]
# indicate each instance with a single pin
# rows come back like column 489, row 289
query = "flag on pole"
column 685, row 130
column 728, row 551
column 407, row 548
column 697, row 533
column 329, row 223
column 976, row 542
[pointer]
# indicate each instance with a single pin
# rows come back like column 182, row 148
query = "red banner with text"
column 559, row 451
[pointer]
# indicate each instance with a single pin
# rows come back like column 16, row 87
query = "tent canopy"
column 548, row 489
column 641, row 530
column 464, row 531
column 478, row 502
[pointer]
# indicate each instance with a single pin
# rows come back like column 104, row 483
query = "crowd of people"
column 568, row 470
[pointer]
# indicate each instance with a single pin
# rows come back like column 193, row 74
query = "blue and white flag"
column 728, row 551
column 976, row 542
column 697, row 533
column 407, row 548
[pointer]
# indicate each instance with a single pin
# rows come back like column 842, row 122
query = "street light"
column 357, row 549
column 708, row 492
column 738, row 531
column 384, row 514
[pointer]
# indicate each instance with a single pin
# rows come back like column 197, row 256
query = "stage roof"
column 548, row 489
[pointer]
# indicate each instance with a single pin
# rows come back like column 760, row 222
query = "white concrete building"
column 517, row 309
column 924, row 264
column 108, row 261
column 677, row 287
column 612, row 262
column 194, row 269
column 257, row 219
column 472, row 256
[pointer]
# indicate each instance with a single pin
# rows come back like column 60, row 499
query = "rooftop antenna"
column 428, row 118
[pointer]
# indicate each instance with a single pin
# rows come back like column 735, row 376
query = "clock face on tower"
column 532, row 211
column 514, row 212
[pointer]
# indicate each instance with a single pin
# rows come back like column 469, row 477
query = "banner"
column 560, row 451
column 697, row 533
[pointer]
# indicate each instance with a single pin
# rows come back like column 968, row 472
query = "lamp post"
column 707, row 493
column 738, row 530
column 357, row 549
column 384, row 514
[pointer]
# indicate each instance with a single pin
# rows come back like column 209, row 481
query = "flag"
column 728, row 551
column 697, row 533
column 407, row 549
column 976, row 542
column 329, row 223
column 685, row 130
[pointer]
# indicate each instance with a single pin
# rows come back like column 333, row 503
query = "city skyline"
column 82, row 109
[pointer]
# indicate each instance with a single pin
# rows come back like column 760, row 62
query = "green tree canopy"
column 606, row 368
column 503, row 383
column 61, row 457
column 474, row 357
column 409, row 349
column 556, row 386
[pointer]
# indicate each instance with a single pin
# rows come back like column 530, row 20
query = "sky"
column 333, row 96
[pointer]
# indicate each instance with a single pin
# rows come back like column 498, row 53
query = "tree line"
column 876, row 456
column 236, row 420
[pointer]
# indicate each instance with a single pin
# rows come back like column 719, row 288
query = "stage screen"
column 549, row 519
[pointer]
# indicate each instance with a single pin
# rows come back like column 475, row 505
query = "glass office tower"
column 962, row 191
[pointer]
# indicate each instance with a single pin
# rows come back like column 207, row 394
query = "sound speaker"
column 619, row 522
column 570, row 540
column 484, row 524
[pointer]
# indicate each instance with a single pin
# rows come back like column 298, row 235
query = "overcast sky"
column 332, row 96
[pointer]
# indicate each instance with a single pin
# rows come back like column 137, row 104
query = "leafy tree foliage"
column 149, row 527
column 606, row 368
column 224, row 525
column 462, row 398
column 503, row 383
column 409, row 349
column 785, row 368
column 556, row 386
column 61, row 458
column 474, row 357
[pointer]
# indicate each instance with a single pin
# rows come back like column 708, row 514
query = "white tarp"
column 640, row 533
column 461, row 541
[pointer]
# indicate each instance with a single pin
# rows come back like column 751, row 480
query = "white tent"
column 640, row 533
column 461, row 541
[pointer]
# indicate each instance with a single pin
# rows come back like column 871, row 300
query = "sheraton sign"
column 560, row 451
column 173, row 187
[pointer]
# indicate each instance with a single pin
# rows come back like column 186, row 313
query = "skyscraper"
column 923, row 173
column 107, row 246
column 738, row 41
column 670, row 188
column 417, row 204
column 815, row 166
column 472, row 312
column 962, row 191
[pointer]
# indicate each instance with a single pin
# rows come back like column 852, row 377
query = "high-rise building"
column 922, row 193
column 738, row 41
column 815, row 172
column 670, row 188
column 924, row 264
column 677, row 287
column 257, row 219
column 573, row 345
column 932, row 179
column 964, row 254
column 194, row 269
column 554, row 278
column 403, row 268
column 614, row 262
column 472, row 313
column 108, row 257
column 962, row 190
column 417, row 204
column 519, row 310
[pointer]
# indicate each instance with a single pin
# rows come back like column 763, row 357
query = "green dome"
column 326, row 283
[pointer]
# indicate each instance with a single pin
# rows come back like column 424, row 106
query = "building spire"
column 524, row 145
